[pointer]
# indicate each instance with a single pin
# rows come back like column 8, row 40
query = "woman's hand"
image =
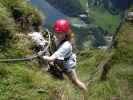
column 49, row 58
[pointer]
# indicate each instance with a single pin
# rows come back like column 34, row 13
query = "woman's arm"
column 60, row 53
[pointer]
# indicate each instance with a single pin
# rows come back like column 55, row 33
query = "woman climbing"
column 64, row 55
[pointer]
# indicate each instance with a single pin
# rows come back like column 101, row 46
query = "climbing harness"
column 32, row 56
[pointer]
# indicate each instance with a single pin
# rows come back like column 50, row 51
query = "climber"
column 63, row 56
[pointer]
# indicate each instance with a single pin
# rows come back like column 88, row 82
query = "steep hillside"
column 26, row 81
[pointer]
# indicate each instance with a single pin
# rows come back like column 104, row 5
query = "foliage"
column 25, row 81
column 7, row 25
column 124, row 48
column 15, row 16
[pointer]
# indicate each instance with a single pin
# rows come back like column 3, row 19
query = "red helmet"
column 61, row 26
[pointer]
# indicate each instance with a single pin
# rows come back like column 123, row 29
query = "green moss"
column 124, row 49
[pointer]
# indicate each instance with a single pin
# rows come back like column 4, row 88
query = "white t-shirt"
column 65, row 51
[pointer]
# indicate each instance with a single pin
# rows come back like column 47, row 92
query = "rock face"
column 129, row 17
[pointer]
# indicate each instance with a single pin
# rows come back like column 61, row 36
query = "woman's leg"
column 73, row 77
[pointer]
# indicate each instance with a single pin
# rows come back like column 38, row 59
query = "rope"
column 32, row 56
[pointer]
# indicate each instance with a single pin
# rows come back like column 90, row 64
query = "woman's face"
column 60, row 36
